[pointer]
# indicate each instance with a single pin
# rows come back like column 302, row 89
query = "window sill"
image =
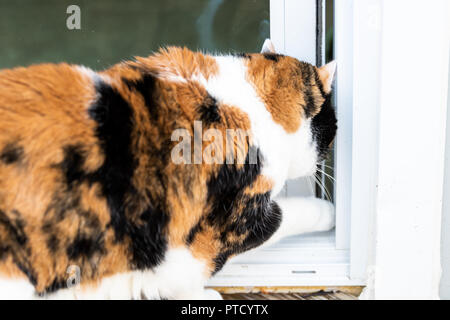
column 307, row 260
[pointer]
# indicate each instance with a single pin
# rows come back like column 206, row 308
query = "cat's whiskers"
column 326, row 174
column 327, row 166
column 322, row 187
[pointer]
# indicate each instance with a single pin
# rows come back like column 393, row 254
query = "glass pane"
column 328, row 167
column 325, row 188
column 35, row 31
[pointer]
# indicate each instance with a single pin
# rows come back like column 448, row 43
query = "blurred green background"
column 34, row 31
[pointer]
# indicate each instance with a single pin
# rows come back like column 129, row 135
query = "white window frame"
column 323, row 259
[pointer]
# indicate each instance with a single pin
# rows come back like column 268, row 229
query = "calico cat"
column 94, row 202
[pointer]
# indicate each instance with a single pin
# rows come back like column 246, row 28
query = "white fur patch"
column 87, row 72
column 181, row 276
column 16, row 289
column 168, row 75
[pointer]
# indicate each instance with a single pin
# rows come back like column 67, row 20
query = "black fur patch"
column 307, row 75
column 273, row 56
column 5, row 251
column 114, row 126
column 11, row 153
column 59, row 207
column 319, row 83
column 310, row 106
column 85, row 246
column 149, row 242
column 209, row 111
column 72, row 164
column 259, row 219
column 323, row 127
column 66, row 205
column 16, row 242
column 227, row 184
column 193, row 232
column 56, row 285
column 26, row 268
column 14, row 227
column 262, row 217
column 145, row 86
column 221, row 259
column 114, row 117
column 53, row 243
column 241, row 55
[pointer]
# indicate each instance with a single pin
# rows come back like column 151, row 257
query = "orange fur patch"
column 178, row 62
column 281, row 86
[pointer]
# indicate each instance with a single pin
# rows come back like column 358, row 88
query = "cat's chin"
column 302, row 169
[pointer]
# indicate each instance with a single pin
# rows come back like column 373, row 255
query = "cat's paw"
column 327, row 219
column 210, row 294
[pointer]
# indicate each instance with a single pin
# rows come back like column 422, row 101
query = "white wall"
column 445, row 239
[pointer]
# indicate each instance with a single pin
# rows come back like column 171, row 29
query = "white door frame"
column 393, row 64
column 411, row 119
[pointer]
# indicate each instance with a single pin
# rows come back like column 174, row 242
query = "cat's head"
column 298, row 96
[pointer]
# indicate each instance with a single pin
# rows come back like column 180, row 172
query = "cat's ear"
column 268, row 47
column 326, row 75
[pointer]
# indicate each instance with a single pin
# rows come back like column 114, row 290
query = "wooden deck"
column 291, row 296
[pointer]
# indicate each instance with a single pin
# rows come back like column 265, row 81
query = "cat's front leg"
column 303, row 215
